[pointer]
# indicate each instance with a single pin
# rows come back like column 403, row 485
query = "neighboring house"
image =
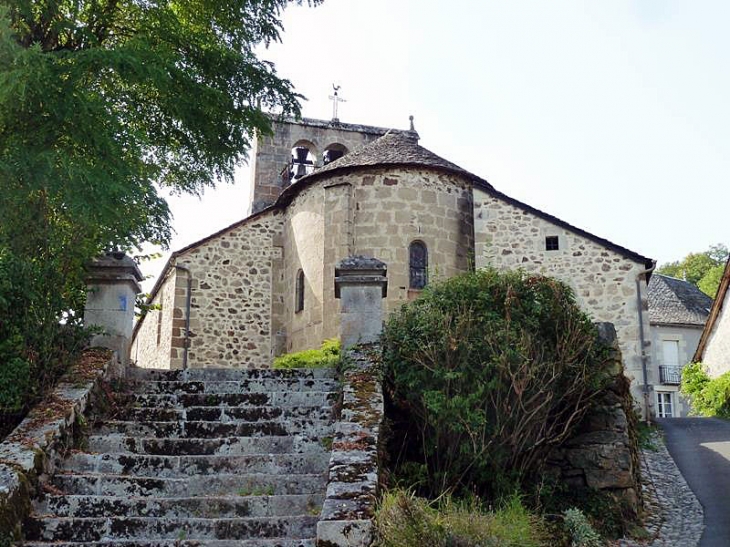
column 678, row 311
column 714, row 347
column 322, row 191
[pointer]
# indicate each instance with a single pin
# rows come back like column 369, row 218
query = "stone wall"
column 716, row 356
column 272, row 154
column 604, row 455
column 235, row 313
column 152, row 342
column 604, row 281
column 376, row 213
column 231, row 303
column 303, row 235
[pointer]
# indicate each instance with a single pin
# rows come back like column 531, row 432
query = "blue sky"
column 614, row 116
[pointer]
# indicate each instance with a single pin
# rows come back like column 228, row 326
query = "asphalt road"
column 701, row 449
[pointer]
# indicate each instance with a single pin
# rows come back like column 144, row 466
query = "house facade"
column 678, row 311
column 713, row 349
column 323, row 191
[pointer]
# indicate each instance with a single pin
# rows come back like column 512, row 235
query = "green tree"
column 702, row 269
column 102, row 104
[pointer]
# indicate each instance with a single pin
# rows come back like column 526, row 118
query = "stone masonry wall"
column 376, row 213
column 152, row 341
column 303, row 235
column 508, row 237
column 717, row 349
column 231, row 311
column 603, row 455
column 235, row 312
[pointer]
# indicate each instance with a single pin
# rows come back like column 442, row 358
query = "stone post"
column 360, row 284
column 113, row 286
column 351, row 498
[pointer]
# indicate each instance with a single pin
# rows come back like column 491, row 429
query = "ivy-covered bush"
column 707, row 396
column 485, row 373
column 327, row 356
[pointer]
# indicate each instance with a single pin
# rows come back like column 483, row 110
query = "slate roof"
column 677, row 302
column 394, row 149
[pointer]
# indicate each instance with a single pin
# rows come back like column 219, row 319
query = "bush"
column 40, row 332
column 708, row 397
column 327, row 356
column 581, row 532
column 485, row 373
column 403, row 520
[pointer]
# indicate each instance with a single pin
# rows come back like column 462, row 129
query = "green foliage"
column 702, row 269
column 327, row 356
column 581, row 532
column 403, row 520
column 103, row 104
column 707, row 396
column 485, row 373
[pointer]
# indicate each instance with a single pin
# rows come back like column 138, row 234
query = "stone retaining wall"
column 37, row 444
column 604, row 454
column 349, row 506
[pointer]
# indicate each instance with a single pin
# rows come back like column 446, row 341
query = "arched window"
column 418, row 261
column 333, row 152
column 299, row 292
column 303, row 160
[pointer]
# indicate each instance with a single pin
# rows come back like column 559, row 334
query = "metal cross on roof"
column 336, row 99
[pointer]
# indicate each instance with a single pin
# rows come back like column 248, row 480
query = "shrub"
column 707, row 396
column 327, row 356
column 581, row 532
column 485, row 373
column 403, row 520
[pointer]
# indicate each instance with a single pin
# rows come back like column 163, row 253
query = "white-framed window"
column 665, row 406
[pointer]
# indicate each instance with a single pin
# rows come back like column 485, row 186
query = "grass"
column 404, row 520
column 647, row 439
column 327, row 356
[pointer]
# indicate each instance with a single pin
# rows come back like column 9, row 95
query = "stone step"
column 207, row 430
column 222, row 414
column 258, row 399
column 95, row 529
column 231, row 446
column 257, row 385
column 186, row 466
column 226, row 374
column 260, row 542
column 203, row 507
column 241, row 484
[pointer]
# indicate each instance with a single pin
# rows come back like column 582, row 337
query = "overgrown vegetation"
column 707, row 396
column 485, row 373
column 404, row 520
column 95, row 119
column 327, row 356
column 581, row 532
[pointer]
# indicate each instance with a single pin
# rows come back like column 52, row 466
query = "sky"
column 613, row 116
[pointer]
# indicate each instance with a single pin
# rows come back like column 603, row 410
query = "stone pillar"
column 113, row 286
column 360, row 284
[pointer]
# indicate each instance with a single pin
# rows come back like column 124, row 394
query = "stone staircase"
column 206, row 457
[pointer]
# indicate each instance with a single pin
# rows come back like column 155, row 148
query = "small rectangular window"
column 551, row 243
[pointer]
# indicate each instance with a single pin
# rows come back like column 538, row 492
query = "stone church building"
column 322, row 191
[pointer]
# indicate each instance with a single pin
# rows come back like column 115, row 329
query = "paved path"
column 701, row 448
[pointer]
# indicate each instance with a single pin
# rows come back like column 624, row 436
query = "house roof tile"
column 677, row 302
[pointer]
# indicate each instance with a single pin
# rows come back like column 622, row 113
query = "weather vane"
column 336, row 99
